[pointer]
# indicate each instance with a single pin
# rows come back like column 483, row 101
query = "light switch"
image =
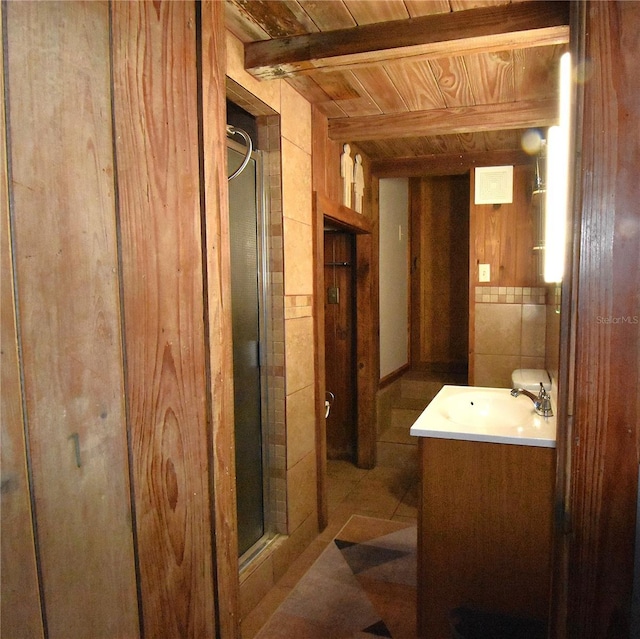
column 484, row 273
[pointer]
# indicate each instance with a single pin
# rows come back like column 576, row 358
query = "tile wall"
column 510, row 332
column 269, row 142
column 285, row 135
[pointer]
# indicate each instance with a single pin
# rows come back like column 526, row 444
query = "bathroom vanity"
column 487, row 468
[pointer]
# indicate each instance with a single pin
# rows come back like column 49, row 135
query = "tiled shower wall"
column 285, row 136
column 510, row 332
column 269, row 143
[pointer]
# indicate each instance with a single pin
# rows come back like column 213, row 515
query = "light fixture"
column 556, row 202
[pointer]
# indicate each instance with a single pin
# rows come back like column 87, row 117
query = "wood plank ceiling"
column 409, row 79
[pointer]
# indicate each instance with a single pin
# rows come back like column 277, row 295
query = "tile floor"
column 388, row 491
column 384, row 492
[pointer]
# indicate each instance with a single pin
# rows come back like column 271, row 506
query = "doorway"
column 439, row 315
column 329, row 214
column 340, row 341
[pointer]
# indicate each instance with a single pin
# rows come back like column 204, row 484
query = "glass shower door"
column 247, row 268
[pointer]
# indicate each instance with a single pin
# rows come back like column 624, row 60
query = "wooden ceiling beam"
column 489, row 117
column 496, row 28
column 446, row 163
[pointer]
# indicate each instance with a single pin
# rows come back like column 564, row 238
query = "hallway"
column 388, row 491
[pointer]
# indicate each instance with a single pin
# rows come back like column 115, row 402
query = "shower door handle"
column 328, row 403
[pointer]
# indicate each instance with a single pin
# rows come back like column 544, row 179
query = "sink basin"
column 482, row 408
column 475, row 413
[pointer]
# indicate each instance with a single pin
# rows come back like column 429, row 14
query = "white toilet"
column 529, row 379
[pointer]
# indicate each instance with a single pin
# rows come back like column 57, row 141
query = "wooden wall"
column 503, row 236
column 326, row 181
column 64, row 237
column 20, row 609
column 114, row 368
column 340, row 333
column 601, row 374
column 439, row 272
column 326, row 166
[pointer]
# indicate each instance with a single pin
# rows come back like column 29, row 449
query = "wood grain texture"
column 342, row 216
column 381, row 11
column 484, row 530
column 275, row 19
column 318, row 139
column 536, row 72
column 453, row 81
column 325, row 158
column 426, row 7
column 380, row 87
column 340, row 338
column 469, row 119
column 439, row 272
column 312, row 91
column 445, row 164
column 221, row 433
column 511, row 140
column 478, row 30
column 514, row 72
column 156, row 119
column 604, row 444
column 367, row 359
column 416, row 86
column 347, row 93
column 69, row 314
column 20, row 603
column 328, row 16
column 491, row 77
column 366, row 302
column 503, row 237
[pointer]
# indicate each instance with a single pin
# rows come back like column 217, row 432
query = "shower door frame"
column 264, row 348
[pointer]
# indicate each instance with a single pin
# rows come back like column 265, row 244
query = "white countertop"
column 480, row 414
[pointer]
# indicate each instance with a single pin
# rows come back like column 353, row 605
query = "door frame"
column 366, row 363
column 340, row 342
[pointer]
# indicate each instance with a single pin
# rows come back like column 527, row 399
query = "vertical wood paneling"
column 340, row 331
column 156, row 118
column 504, row 237
column 325, row 159
column 66, row 270
column 20, row 611
column 219, row 315
column 327, row 182
column 604, row 446
column 367, row 369
column 439, row 271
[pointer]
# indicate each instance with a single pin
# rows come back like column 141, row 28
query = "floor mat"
column 363, row 585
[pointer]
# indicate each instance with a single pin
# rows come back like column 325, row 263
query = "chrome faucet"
column 541, row 402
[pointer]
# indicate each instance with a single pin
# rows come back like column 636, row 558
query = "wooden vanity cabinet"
column 484, row 530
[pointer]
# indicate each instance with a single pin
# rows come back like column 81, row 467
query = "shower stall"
column 249, row 296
